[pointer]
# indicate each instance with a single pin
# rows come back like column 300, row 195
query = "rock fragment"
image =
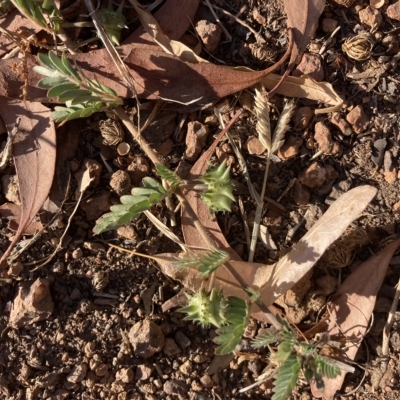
column 343, row 3
column 371, row 17
column 393, row 11
column 357, row 119
column 125, row 375
column 210, row 35
column 290, row 148
column 313, row 176
column 302, row 117
column 177, row 387
column 196, row 137
column 328, row 25
column 10, row 188
column 301, row 194
column 310, row 64
column 138, row 169
column 96, row 205
column 120, row 182
column 146, row 338
column 171, row 348
column 78, row 373
column 341, row 124
column 324, row 139
column 254, row 146
column 33, row 303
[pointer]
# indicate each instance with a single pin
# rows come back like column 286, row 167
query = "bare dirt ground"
column 83, row 349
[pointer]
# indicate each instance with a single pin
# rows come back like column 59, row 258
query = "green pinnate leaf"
column 68, row 67
column 46, row 61
column 206, row 263
column 120, row 215
column 72, row 94
column 57, row 90
column 238, row 314
column 326, row 367
column 170, row 176
column 267, row 337
column 58, row 64
column 45, row 71
column 286, row 378
column 51, row 81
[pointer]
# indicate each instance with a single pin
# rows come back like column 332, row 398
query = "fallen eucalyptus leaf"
column 306, row 88
column 34, row 153
column 352, row 307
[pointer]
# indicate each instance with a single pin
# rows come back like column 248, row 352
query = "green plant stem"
column 259, row 210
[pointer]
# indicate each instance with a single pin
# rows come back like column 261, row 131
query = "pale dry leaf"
column 306, row 88
column 34, row 152
column 85, row 180
column 352, row 307
column 263, row 127
column 170, row 46
column 174, row 18
column 273, row 281
column 266, row 238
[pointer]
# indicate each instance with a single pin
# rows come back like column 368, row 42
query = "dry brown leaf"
column 303, row 19
column 34, row 153
column 352, row 306
column 275, row 280
column 174, row 18
column 12, row 212
column 307, row 88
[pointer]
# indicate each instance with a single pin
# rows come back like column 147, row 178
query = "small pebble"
column 77, row 253
column 313, row 176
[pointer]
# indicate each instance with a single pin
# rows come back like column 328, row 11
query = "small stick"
column 258, row 37
column 226, row 33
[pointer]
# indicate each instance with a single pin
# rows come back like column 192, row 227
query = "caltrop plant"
column 292, row 357
column 83, row 97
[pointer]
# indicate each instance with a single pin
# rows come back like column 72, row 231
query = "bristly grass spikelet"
column 282, row 126
column 263, row 126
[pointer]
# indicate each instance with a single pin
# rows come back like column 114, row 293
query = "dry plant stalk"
column 272, row 143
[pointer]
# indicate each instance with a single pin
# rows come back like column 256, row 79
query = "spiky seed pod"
column 113, row 21
column 206, row 308
column 218, row 196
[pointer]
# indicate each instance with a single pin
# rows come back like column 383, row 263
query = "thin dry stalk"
column 272, row 143
column 111, row 49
